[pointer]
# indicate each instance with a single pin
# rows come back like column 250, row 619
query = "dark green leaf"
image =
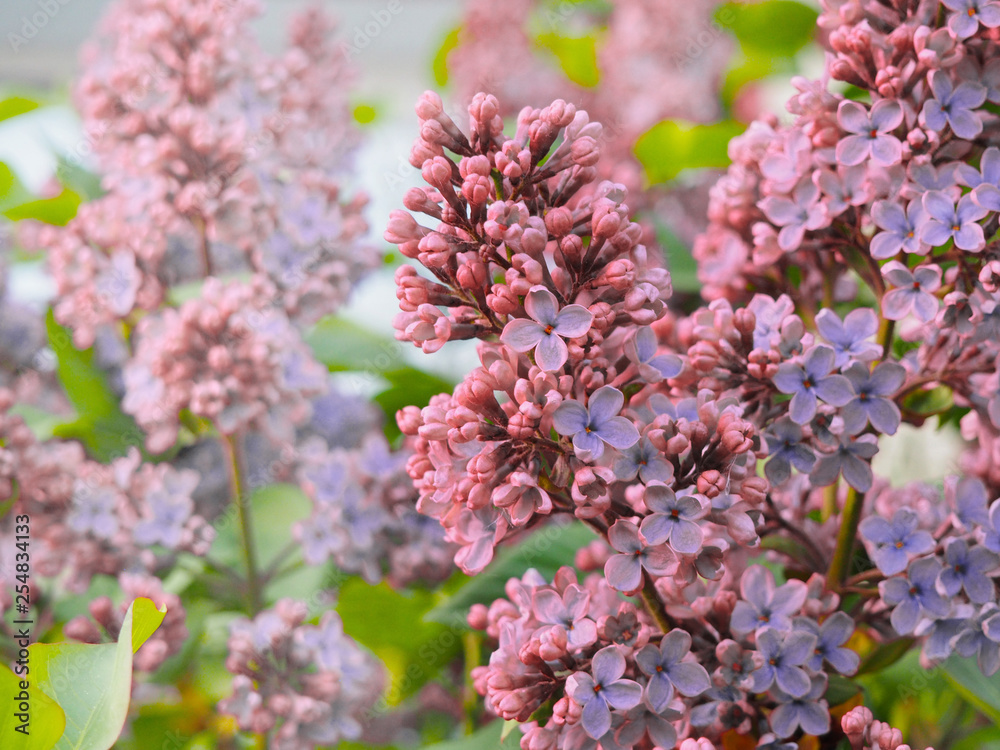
column 928, row 402
column 885, row 655
column 670, row 147
column 840, row 690
column 545, row 549
column 981, row 691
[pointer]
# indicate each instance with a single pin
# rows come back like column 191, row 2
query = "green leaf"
column 577, row 56
column 840, row 690
column 58, row 210
column 885, row 655
column 681, row 264
column 773, row 27
column 12, row 192
column 491, row 736
column 671, row 146
column 409, row 387
column 981, row 691
column 78, row 179
column 930, row 401
column 439, row 65
column 101, row 425
column 16, row 105
column 395, row 627
column 546, row 549
column 345, row 346
column 46, row 720
column 93, row 683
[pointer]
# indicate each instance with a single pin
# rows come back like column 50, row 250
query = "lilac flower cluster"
column 308, row 684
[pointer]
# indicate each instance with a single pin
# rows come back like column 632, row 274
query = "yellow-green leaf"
column 45, row 723
column 577, row 56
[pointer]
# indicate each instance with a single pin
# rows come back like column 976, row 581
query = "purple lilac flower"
column 569, row 611
column 784, row 443
column 966, row 569
column 812, row 380
column 894, row 541
column 666, row 669
column 771, row 742
column 980, row 637
column 901, row 230
column 850, row 459
column 970, row 503
column 945, row 221
column 547, row 328
column 653, row 368
column 673, row 519
column 721, row 699
column 764, row 605
column 736, row 664
column 170, row 507
column 645, row 461
column 987, row 174
column 930, row 177
column 914, row 596
column 831, row 636
column 992, row 539
column 784, row 654
column 624, row 571
column 803, row 211
column 871, row 139
column 964, row 22
column 850, row 338
column 913, row 292
column 991, row 80
column 94, row 511
column 953, row 105
column 843, row 188
column 596, row 424
column 809, row 712
column 940, row 634
column 639, row 721
column 871, row 404
column 604, row 690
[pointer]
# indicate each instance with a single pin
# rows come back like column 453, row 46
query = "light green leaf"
column 545, row 549
column 16, row 105
column 58, row 210
column 101, row 425
column 491, row 736
column 577, row 56
column 345, row 346
column 773, row 27
column 981, row 691
column 439, row 65
column 671, row 146
column 46, row 721
column 12, row 191
column 93, row 683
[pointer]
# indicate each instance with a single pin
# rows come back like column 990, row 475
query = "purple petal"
column 802, row 407
column 570, row 418
column 886, row 150
column 596, row 718
column 792, row 680
column 925, row 306
column 781, row 211
column 623, row 694
column 885, row 245
column 789, row 597
column 904, row 618
column 624, row 572
column 588, row 446
column 656, row 528
column 835, row 390
column 573, row 321
column 965, row 124
column 883, row 414
column 897, row 303
column 659, row 498
column 541, row 305
column 987, row 196
column 686, row 537
column 935, row 233
column 604, row 404
column 690, row 679
column 970, row 237
column 785, row 719
column 814, row 718
column 887, row 378
column 744, row 618
column 658, row 560
column 608, row 665
column 659, row 691
column 853, row 117
column 757, row 586
column 624, row 537
column 967, row 95
column 886, row 115
column 618, row 432
column 551, row 353
column 789, row 378
column 856, row 473
column 522, row 335
column 853, row 150
column 819, row 362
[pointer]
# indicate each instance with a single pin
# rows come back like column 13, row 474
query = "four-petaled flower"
column 968, row 14
column 953, row 105
column 783, row 656
column 673, row 519
column 643, row 459
column 945, row 220
column 901, row 230
column 966, row 568
column 624, row 571
column 547, row 328
column 596, row 424
column 667, row 670
column 784, row 443
column 812, row 380
column 870, row 139
column 569, row 612
column 894, row 541
column 604, row 690
column 850, row 459
column 850, row 338
column 765, row 606
column 653, row 367
column 913, row 293
column 871, row 404
column 914, row 595
column 831, row 636
column 809, row 711
column 803, row 211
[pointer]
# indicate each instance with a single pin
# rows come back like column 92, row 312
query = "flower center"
column 549, row 329
column 899, row 545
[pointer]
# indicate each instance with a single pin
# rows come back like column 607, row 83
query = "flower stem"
column 652, row 601
column 850, row 517
column 241, row 500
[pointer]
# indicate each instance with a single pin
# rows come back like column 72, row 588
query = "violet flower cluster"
column 684, row 441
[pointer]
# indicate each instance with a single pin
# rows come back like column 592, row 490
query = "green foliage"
column 12, row 191
column 981, row 691
column 439, row 66
column 47, row 720
column 670, row 147
column 840, row 690
column 926, row 403
column 773, row 28
column 577, row 56
column 93, row 683
column 546, row 549
column 58, row 210
column 682, row 265
column 101, row 425
column 16, row 105
column 490, row 736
